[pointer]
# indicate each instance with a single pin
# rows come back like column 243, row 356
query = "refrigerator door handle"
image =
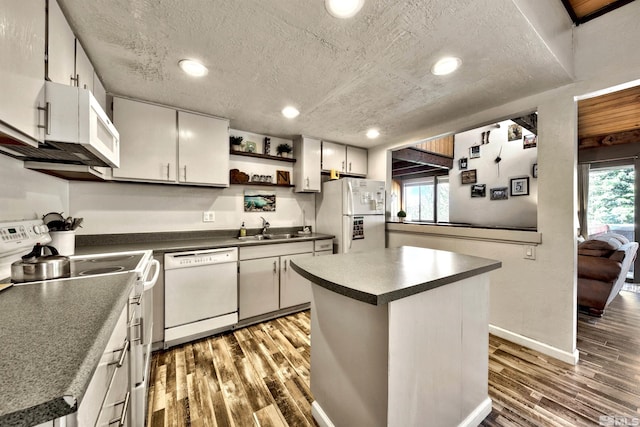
column 350, row 200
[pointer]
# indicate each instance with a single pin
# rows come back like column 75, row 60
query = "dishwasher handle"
column 200, row 257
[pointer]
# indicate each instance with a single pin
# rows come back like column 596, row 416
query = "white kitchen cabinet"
column 344, row 158
column 84, row 69
column 294, row 289
column 356, row 161
column 259, row 286
column 333, row 156
column 22, row 44
column 306, row 170
column 99, row 93
column 60, row 47
column 203, row 149
column 147, row 141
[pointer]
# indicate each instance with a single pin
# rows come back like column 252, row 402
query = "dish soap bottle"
column 243, row 230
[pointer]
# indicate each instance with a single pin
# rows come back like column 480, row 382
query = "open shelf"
column 263, row 184
column 263, row 156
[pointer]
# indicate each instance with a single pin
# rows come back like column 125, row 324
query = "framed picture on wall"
column 514, row 132
column 529, row 141
column 520, row 186
column 474, row 152
column 469, row 177
column 462, row 163
column 499, row 193
column 479, row 190
column 534, row 171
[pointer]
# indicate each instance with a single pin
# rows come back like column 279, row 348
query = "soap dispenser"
column 243, row 230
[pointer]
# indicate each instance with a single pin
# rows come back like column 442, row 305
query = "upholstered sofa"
column 603, row 264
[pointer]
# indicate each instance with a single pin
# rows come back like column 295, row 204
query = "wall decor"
column 469, row 177
column 499, row 193
column 529, row 141
column 534, row 171
column 267, row 145
column 479, row 190
column 462, row 163
column 474, row 152
column 520, row 186
column 259, row 201
column 283, row 178
column 250, row 146
column 514, row 132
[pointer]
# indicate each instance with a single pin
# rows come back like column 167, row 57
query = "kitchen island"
column 399, row 337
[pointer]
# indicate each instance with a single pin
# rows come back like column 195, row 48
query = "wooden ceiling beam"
column 628, row 137
column 414, row 170
column 422, row 157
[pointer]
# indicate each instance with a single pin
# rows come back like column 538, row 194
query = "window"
column 426, row 199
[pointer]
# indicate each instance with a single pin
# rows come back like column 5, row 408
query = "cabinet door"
column 203, row 150
column 294, row 289
column 60, row 47
column 333, row 156
column 306, row 170
column 22, row 67
column 99, row 92
column 84, row 69
column 259, row 286
column 356, row 161
column 147, row 141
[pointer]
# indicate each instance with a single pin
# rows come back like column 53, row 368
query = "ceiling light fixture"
column 193, row 68
column 290, row 112
column 343, row 8
column 373, row 133
column 446, row 66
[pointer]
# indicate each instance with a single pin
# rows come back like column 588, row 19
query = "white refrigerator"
column 352, row 209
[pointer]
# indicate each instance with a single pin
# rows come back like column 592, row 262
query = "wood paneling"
column 584, row 10
column 259, row 376
column 602, row 119
column 443, row 146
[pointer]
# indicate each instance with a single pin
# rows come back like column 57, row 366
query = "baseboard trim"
column 477, row 415
column 320, row 416
column 556, row 353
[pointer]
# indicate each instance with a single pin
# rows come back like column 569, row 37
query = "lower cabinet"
column 294, row 289
column 259, row 287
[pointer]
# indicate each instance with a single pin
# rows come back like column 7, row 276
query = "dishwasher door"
column 201, row 293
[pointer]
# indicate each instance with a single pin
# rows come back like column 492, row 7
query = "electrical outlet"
column 529, row 252
column 208, row 216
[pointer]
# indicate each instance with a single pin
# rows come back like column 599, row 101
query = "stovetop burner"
column 101, row 270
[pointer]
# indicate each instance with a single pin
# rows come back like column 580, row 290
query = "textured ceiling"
column 343, row 75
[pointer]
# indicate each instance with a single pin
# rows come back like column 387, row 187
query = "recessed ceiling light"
column 343, row 8
column 373, row 133
column 446, row 66
column 290, row 112
column 193, row 68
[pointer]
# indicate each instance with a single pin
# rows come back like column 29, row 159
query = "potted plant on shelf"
column 402, row 215
column 236, row 142
column 284, row 150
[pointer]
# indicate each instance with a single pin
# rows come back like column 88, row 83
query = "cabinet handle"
column 74, row 80
column 343, row 166
column 185, row 173
column 123, row 415
column 285, row 265
column 349, row 166
column 274, row 267
column 47, row 118
column 124, row 350
column 135, row 300
column 308, row 182
column 168, row 169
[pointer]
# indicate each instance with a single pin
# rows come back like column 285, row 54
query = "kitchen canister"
column 64, row 241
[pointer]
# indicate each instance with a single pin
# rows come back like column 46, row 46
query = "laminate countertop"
column 383, row 275
column 52, row 337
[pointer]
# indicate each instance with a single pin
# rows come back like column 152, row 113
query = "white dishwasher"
column 201, row 294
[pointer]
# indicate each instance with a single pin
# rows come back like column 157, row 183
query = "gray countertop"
column 384, row 275
column 51, row 339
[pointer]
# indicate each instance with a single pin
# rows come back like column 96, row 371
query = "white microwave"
column 77, row 125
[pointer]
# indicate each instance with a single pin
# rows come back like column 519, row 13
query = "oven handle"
column 148, row 284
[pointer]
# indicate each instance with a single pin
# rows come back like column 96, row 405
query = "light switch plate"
column 529, row 252
column 208, row 216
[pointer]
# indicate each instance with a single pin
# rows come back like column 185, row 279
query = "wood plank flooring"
column 259, row 376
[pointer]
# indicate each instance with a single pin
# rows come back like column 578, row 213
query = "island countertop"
column 383, row 275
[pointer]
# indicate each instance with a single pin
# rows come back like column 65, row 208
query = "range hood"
column 77, row 132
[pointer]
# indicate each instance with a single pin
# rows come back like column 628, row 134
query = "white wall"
column 25, row 194
column 139, row 208
column 539, row 302
column 516, row 211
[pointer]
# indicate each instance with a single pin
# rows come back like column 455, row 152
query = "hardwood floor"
column 259, row 376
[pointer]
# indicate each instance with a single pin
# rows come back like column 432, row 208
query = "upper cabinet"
column 84, row 69
column 203, row 150
column 61, row 47
column 306, row 171
column 22, row 44
column 154, row 148
column 344, row 158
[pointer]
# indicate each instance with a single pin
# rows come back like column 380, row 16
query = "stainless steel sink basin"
column 269, row 236
column 256, row 237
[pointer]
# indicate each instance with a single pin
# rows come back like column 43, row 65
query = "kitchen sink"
column 256, row 237
column 269, row 236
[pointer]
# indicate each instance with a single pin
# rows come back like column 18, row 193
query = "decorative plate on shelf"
column 250, row 147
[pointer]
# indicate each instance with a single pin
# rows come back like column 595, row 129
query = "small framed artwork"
column 529, row 141
column 250, row 147
column 463, row 163
column 474, row 152
column 479, row 190
column 534, row 170
column 469, row 177
column 259, row 201
column 499, row 193
column 520, row 186
column 514, row 132
column 282, row 178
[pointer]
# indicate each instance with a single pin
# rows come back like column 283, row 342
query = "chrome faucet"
column 265, row 225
